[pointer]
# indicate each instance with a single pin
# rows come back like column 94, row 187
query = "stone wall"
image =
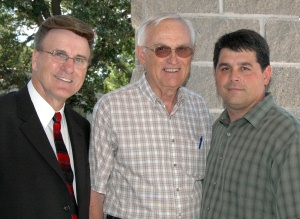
column 276, row 20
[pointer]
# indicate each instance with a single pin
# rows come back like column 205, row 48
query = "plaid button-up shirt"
column 253, row 167
column 147, row 162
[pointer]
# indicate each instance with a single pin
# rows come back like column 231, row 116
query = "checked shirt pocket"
column 193, row 158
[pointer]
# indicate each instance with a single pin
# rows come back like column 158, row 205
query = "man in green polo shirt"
column 253, row 167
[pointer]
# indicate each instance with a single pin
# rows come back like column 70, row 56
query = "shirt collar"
column 42, row 107
column 256, row 115
column 147, row 90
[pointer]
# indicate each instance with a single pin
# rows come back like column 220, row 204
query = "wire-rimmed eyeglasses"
column 164, row 51
column 62, row 57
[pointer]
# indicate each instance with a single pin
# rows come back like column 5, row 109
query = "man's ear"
column 267, row 74
column 140, row 54
column 34, row 58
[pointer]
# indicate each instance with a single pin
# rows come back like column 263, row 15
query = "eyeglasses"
column 164, row 51
column 62, row 57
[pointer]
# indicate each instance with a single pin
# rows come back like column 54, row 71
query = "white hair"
column 141, row 33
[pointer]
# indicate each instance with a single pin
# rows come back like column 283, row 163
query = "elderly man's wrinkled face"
column 166, row 70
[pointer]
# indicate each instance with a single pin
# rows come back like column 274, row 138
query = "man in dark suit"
column 35, row 182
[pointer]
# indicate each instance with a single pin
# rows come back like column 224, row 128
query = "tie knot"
column 57, row 117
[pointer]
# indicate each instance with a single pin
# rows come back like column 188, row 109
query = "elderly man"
column 150, row 138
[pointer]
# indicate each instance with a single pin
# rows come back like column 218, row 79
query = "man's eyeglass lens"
column 61, row 57
column 164, row 51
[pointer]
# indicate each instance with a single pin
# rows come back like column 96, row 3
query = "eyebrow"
column 222, row 65
column 240, row 64
column 180, row 45
column 245, row 63
column 76, row 56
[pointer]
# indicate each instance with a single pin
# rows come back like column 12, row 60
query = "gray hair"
column 156, row 19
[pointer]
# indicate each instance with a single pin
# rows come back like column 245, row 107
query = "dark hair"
column 67, row 23
column 244, row 40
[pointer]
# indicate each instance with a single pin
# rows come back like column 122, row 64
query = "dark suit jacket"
column 32, row 185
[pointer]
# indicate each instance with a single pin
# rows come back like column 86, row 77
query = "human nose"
column 234, row 75
column 172, row 58
column 68, row 65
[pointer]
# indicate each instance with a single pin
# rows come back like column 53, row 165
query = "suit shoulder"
column 7, row 101
column 8, row 97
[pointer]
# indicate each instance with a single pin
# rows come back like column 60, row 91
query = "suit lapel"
column 33, row 129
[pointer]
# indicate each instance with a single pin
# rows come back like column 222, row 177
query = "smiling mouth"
column 171, row 69
column 63, row 79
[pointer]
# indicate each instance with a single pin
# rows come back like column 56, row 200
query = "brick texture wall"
column 276, row 20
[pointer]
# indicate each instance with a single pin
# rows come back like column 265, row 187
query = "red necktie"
column 64, row 161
